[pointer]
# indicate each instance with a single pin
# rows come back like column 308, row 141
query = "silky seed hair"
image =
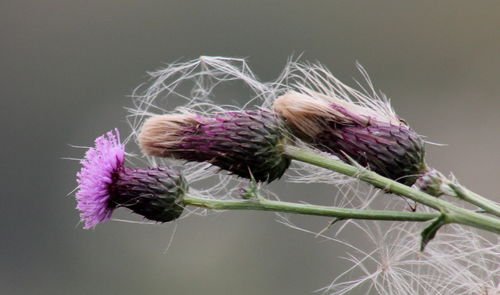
column 458, row 263
column 305, row 112
column 314, row 80
column 188, row 87
column 161, row 132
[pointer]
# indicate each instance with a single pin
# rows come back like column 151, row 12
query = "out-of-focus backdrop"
column 68, row 67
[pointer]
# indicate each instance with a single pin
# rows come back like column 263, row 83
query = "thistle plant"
column 310, row 127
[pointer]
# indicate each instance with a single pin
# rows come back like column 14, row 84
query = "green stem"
column 306, row 209
column 453, row 214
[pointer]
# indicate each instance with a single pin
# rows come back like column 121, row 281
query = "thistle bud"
column 380, row 142
column 104, row 184
column 434, row 183
column 246, row 143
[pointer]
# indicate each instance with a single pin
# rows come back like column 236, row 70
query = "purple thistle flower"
column 246, row 143
column 94, row 179
column 381, row 143
column 104, row 184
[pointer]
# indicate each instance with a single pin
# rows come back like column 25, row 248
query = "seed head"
column 246, row 143
column 384, row 144
column 104, row 184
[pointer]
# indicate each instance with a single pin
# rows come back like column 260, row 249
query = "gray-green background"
column 66, row 68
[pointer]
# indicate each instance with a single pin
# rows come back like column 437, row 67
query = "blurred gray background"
column 67, row 67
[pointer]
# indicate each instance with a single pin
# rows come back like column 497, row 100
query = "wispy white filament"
column 195, row 81
column 457, row 261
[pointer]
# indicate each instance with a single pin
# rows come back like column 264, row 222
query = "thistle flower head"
column 380, row 142
column 94, row 179
column 246, row 143
column 104, row 184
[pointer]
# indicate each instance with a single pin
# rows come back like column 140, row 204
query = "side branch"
column 475, row 199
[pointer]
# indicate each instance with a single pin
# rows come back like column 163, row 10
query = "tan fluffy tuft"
column 306, row 114
column 159, row 133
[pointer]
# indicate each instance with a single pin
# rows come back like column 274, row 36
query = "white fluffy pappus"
column 194, row 82
column 457, row 261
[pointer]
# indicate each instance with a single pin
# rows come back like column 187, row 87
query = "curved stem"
column 475, row 199
column 307, row 209
column 453, row 214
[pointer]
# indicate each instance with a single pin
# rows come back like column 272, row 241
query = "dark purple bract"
column 246, row 143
